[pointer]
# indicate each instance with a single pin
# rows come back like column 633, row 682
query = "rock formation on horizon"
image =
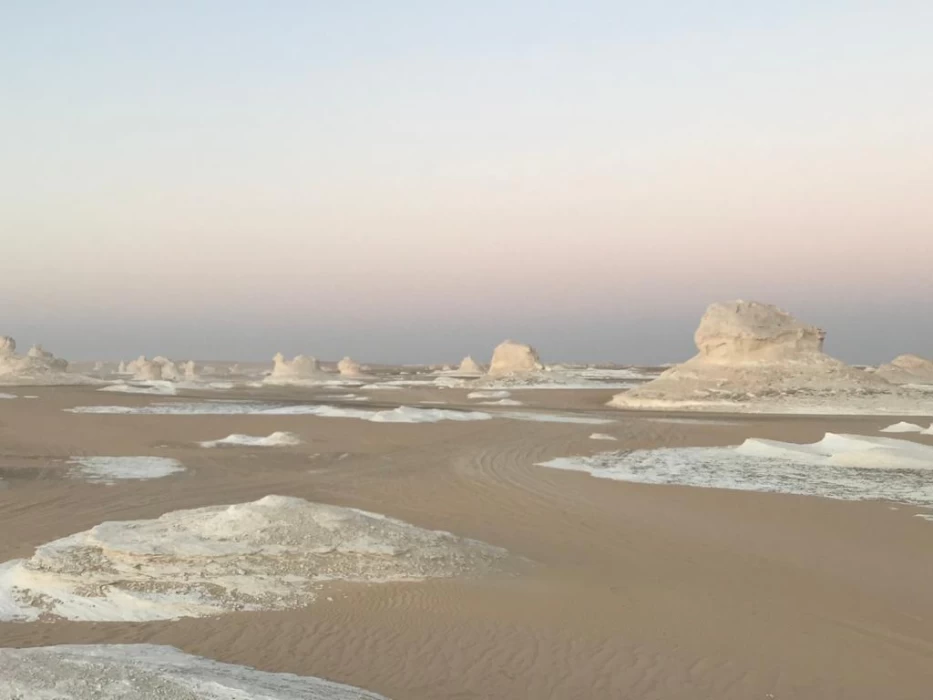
column 907, row 369
column 303, row 368
column 470, row 366
column 750, row 351
column 190, row 370
column 36, row 366
column 511, row 358
column 349, row 368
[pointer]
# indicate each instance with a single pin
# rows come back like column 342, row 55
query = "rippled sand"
column 622, row 590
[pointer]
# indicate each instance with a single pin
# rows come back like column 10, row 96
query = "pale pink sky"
column 599, row 173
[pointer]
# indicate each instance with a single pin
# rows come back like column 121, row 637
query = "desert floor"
column 616, row 590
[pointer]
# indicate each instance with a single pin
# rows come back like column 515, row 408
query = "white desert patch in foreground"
column 904, row 427
column 7, row 396
column 276, row 439
column 271, row 554
column 847, row 467
column 601, row 436
column 111, row 671
column 110, row 469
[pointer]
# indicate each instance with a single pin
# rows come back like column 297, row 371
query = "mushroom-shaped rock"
column 510, row 357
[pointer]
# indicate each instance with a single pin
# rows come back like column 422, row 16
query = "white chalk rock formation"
column 349, row 368
column 191, row 371
column 7, row 346
column 146, row 370
column 133, row 366
column 907, row 369
column 301, row 370
column 511, row 358
column 37, row 366
column 750, row 351
column 169, row 370
column 470, row 366
column 111, row 671
column 121, row 368
column 271, row 554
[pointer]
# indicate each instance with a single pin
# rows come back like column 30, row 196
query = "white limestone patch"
column 602, row 436
column 402, row 414
column 501, row 402
column 847, row 467
column 108, row 470
column 158, row 387
column 8, row 396
column 271, row 554
column 276, row 439
column 904, row 427
column 119, row 671
column 489, row 395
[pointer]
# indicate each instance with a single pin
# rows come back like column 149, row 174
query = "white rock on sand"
column 302, row 369
column 907, row 369
column 37, row 366
column 757, row 357
column 271, row 554
column 846, row 467
column 276, row 439
column 147, row 671
column 469, row 366
column 511, row 358
column 349, row 368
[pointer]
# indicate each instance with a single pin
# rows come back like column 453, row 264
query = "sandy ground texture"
column 613, row 590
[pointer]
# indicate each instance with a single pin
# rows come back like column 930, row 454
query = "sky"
column 413, row 181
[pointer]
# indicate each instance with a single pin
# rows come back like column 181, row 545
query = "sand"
column 616, row 589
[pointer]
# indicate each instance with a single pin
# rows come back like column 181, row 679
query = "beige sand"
column 629, row 591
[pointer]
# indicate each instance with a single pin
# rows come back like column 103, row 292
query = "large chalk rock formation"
column 907, row 369
column 511, row 358
column 750, row 351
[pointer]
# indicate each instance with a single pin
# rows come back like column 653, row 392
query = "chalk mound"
column 277, row 439
column 469, row 366
column 271, row 554
column 511, row 358
column 37, row 366
column 349, row 368
column 751, row 352
column 907, row 369
column 845, row 467
column 111, row 671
